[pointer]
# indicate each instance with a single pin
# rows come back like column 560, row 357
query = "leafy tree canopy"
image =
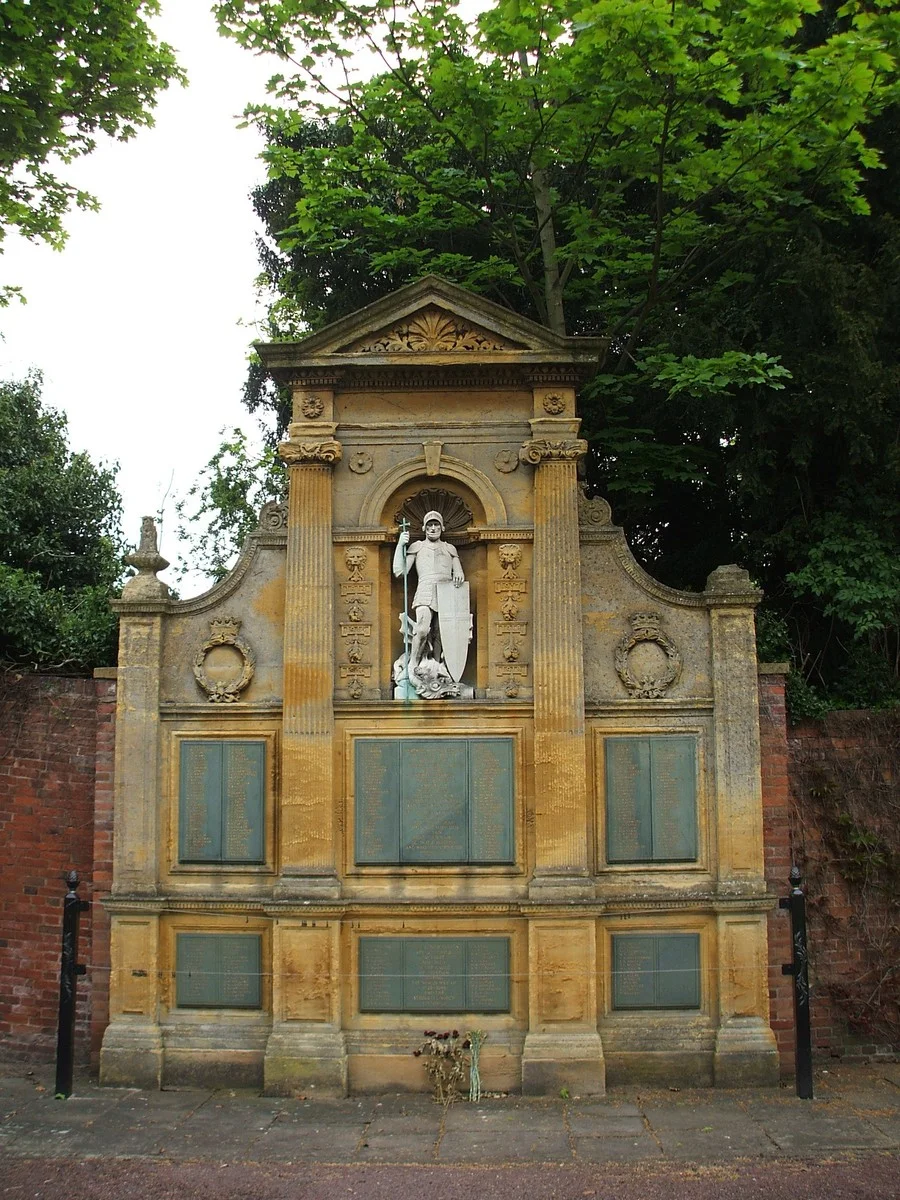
column 69, row 70
column 222, row 507
column 711, row 183
column 60, row 550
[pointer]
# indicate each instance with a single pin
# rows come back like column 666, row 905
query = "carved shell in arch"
column 643, row 682
column 456, row 513
column 226, row 687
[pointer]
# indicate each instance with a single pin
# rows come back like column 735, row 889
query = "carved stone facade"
column 566, row 854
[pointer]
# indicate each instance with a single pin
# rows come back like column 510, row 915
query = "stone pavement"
column 856, row 1111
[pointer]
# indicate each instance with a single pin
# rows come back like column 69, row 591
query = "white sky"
column 141, row 324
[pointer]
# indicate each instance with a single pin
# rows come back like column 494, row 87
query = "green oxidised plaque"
column 651, row 804
column 222, row 801
column 217, row 970
column 434, row 974
column 434, row 800
column 656, row 970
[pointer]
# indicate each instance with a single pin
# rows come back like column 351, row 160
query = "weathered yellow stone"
column 434, row 393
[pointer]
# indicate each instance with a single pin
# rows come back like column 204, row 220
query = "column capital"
column 323, row 451
column 540, row 450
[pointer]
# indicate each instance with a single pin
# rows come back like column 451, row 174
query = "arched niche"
column 407, row 477
column 487, row 508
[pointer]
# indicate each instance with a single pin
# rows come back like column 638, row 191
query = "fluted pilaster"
column 561, row 812
column 307, row 831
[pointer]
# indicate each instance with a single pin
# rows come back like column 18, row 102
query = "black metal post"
column 799, row 969
column 69, row 969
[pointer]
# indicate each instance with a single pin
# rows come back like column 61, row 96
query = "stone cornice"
column 701, row 904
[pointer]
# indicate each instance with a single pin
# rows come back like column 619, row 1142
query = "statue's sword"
column 404, row 526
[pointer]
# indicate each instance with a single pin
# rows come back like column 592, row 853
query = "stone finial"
column 734, row 581
column 148, row 561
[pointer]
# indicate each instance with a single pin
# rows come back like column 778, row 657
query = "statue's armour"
column 434, row 565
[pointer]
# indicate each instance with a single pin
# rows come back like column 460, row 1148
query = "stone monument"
column 533, row 809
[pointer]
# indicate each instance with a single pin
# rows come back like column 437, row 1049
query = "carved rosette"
column 646, row 682
column 355, row 631
column 506, row 461
column 360, row 462
column 510, row 631
column 428, row 332
column 273, row 516
column 224, row 631
column 543, row 450
column 554, row 404
column 327, row 451
column 312, row 406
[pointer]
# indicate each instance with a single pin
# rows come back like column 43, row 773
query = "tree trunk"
column 556, row 317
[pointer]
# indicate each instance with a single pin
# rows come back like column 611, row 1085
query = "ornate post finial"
column 148, row 561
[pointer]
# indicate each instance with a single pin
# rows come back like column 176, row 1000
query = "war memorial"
column 437, row 753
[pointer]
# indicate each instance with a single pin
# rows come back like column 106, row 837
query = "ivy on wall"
column 845, row 782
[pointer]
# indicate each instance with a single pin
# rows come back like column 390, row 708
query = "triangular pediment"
column 430, row 321
column 431, row 330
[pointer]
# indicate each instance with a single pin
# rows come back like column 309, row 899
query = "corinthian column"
column 561, row 794
column 308, row 851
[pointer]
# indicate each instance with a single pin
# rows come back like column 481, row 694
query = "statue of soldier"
column 436, row 561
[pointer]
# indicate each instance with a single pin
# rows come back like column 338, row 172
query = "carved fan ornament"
column 646, row 684
column 428, row 332
column 457, row 515
column 223, row 631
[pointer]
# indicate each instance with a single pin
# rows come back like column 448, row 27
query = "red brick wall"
column 854, row 752
column 55, row 751
column 793, row 834
column 777, row 837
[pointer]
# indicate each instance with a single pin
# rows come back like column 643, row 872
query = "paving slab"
column 814, row 1133
column 536, row 1146
column 398, row 1147
column 888, row 1125
column 502, row 1117
column 600, row 1124
column 706, row 1117
column 617, row 1149
column 296, row 1142
column 393, row 1126
column 701, row 1146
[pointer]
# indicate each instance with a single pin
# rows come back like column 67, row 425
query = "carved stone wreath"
column 456, row 513
column 647, row 686
column 223, row 631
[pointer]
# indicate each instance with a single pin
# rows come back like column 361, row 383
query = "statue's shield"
column 455, row 625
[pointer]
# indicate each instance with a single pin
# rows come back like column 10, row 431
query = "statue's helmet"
column 434, row 515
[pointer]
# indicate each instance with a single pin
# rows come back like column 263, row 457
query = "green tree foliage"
column 223, row 505
column 711, row 184
column 60, row 552
column 69, row 70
